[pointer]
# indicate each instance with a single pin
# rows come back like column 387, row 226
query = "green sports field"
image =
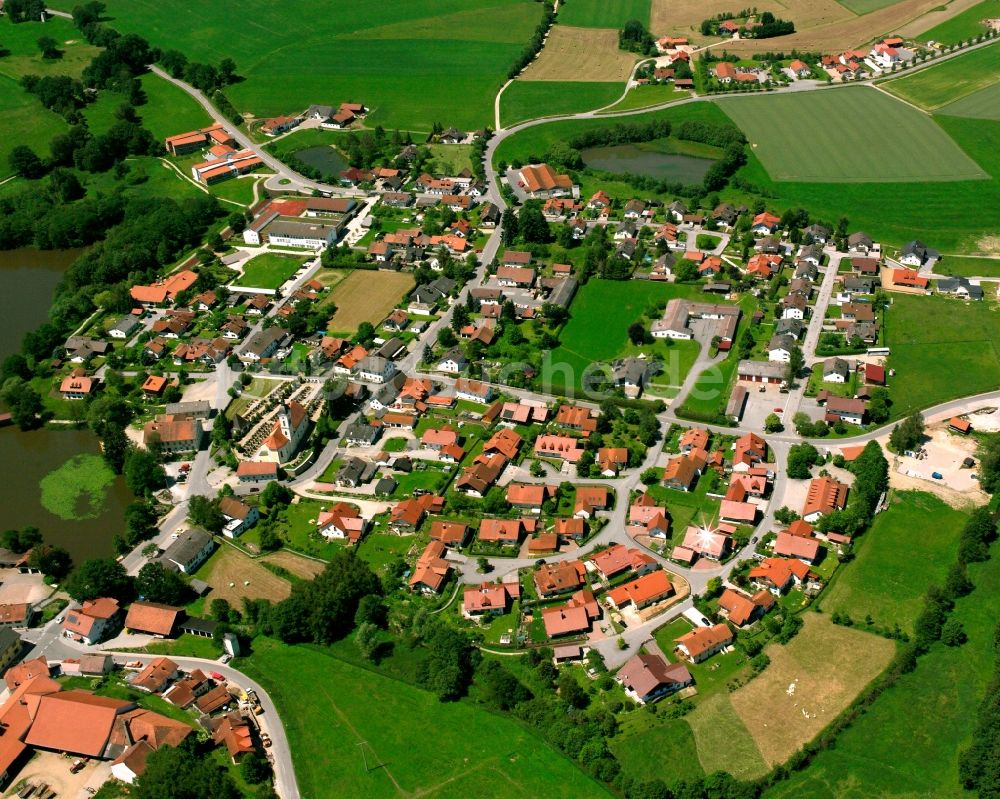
column 413, row 744
column 949, row 82
column 603, row 13
column 908, row 548
column 933, row 339
column 963, row 25
column 414, row 62
column 529, row 99
column 820, row 137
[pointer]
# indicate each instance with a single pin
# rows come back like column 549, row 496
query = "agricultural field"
column 959, row 26
column 402, row 758
column 807, row 683
column 947, row 215
column 366, row 296
column 941, row 85
column 384, row 55
column 801, row 137
column 603, row 14
column 529, row 99
column 981, row 104
column 268, row 270
column 581, row 54
column 908, row 741
column 646, row 96
column 935, row 338
column 907, row 549
column 234, row 575
column 866, row 6
column 683, row 17
column 598, row 330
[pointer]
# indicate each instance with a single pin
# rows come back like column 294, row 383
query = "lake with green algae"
column 78, row 489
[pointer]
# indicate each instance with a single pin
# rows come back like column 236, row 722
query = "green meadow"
column 530, row 99
column 413, row 745
column 413, row 62
column 908, row 741
column 933, row 339
column 908, row 548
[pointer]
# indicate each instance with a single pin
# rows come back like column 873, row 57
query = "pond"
column 80, row 506
column 324, row 158
column 28, row 280
column 648, row 160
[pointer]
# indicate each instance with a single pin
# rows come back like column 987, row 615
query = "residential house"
column 703, row 642
column 741, row 610
column 647, row 678
column 91, row 623
column 189, row 550
column 239, row 516
column 825, row 495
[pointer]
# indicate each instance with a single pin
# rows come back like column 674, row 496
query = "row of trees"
column 534, row 46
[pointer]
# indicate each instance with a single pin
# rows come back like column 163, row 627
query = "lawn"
column 950, row 80
column 25, row 121
column 968, row 267
column 365, row 296
column 907, row 743
column 297, row 525
column 933, row 339
column 192, row 646
column 450, row 159
column 268, row 270
column 530, row 99
column 908, row 548
column 597, row 331
column 380, row 548
column 408, row 61
column 646, row 96
column 603, row 14
column 78, row 489
column 412, row 745
column 963, row 25
column 808, row 682
column 802, row 137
